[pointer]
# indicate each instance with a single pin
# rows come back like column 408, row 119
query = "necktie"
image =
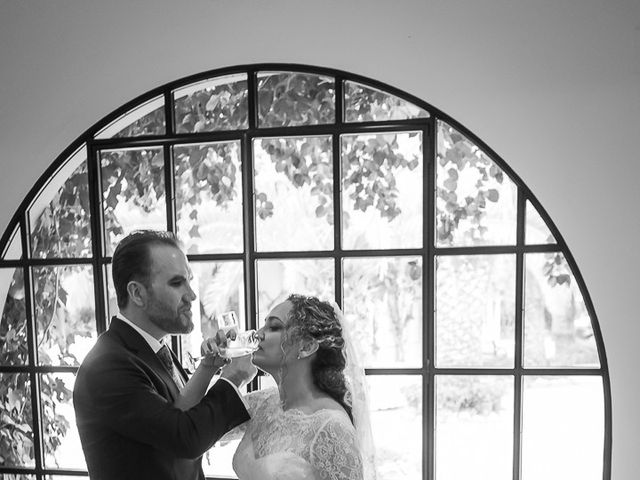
column 167, row 360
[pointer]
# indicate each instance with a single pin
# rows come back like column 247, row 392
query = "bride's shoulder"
column 334, row 441
column 261, row 398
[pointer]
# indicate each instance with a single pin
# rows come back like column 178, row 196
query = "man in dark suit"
column 127, row 384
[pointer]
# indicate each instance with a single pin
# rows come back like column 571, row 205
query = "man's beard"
column 168, row 320
column 172, row 324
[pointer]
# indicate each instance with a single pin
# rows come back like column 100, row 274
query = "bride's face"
column 270, row 355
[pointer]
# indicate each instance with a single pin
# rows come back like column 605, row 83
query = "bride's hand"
column 240, row 371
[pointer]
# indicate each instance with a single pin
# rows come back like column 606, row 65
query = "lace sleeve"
column 334, row 452
column 256, row 400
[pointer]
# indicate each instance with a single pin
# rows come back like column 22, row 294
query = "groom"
column 127, row 384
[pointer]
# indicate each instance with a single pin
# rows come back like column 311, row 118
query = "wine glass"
column 238, row 343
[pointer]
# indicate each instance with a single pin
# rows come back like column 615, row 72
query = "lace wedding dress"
column 292, row 445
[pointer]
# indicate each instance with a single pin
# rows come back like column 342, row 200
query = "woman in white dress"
column 304, row 429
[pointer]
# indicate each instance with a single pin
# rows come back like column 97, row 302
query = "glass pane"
column 290, row 99
column 563, row 425
column 133, row 195
column 64, row 477
column 59, row 216
column 13, row 248
column 368, row 104
column 266, row 381
column 293, row 193
column 145, row 119
column 277, row 279
column 382, row 190
column 557, row 325
column 217, row 461
column 383, row 306
column 16, row 441
column 11, row 476
column 475, row 310
column 112, row 300
column 14, row 349
column 475, row 200
column 208, row 180
column 220, row 288
column 215, row 104
column 61, row 441
column 474, row 427
column 395, row 403
column 65, row 314
column 537, row 231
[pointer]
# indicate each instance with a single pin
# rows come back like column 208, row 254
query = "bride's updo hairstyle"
column 311, row 318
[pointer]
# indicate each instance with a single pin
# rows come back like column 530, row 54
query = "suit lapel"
column 138, row 346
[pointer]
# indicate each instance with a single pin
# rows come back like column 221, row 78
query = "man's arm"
column 124, row 396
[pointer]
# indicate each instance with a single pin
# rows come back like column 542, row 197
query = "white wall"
column 553, row 86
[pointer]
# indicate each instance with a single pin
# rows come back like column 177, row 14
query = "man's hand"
column 240, row 371
column 211, row 348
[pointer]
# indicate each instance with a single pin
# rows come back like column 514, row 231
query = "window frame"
column 428, row 252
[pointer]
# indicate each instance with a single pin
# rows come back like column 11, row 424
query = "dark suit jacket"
column 128, row 427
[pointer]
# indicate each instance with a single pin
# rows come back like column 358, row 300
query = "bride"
column 314, row 425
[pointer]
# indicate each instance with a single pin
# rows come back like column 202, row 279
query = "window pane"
column 537, row 231
column 475, row 200
column 145, row 119
column 220, row 288
column 290, row 99
column 65, row 314
column 133, row 193
column 13, row 325
column 60, row 435
column 562, row 428
column 557, row 326
column 367, row 104
column 382, row 190
column 208, row 180
column 474, row 427
column 13, row 248
column 475, row 310
column 277, row 279
column 395, row 403
column 64, row 477
column 10, row 476
column 217, row 461
column 112, row 301
column 215, row 104
column 383, row 307
column 59, row 216
column 293, row 193
column 16, row 441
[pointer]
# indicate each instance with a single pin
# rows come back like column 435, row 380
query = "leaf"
column 493, row 195
column 193, row 232
column 450, row 184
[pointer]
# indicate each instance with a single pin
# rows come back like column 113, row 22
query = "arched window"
column 484, row 355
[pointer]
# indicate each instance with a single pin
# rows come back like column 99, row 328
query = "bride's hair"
column 312, row 318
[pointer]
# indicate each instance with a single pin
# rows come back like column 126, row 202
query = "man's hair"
column 132, row 259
